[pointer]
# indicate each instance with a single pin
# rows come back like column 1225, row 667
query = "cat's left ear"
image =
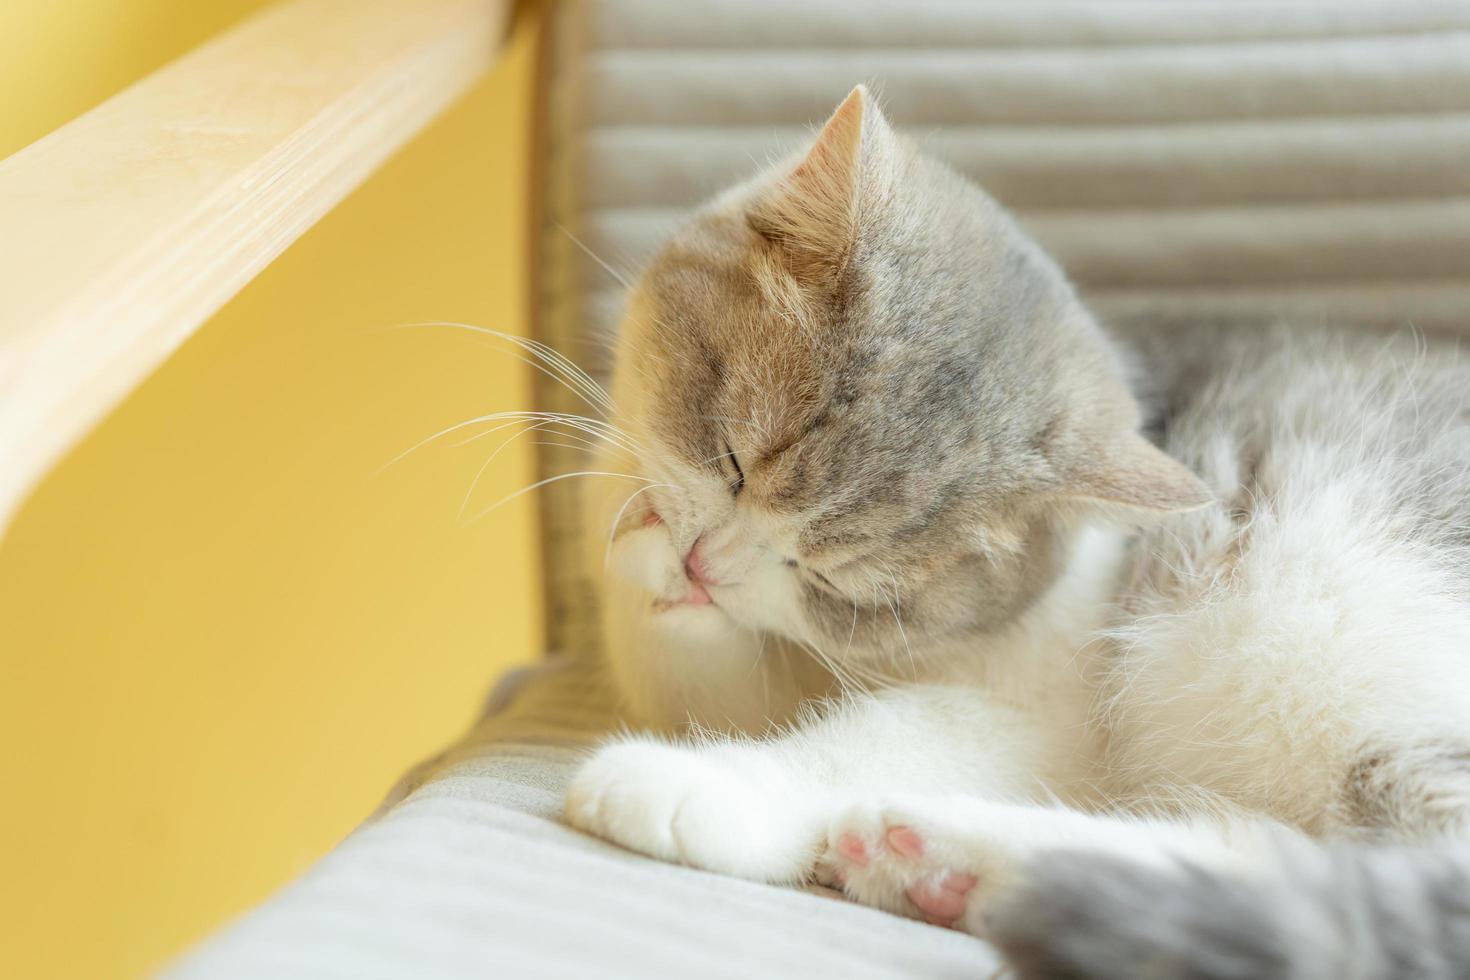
column 1134, row 474
column 813, row 212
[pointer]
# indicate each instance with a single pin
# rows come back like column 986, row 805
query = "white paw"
column 692, row 807
column 936, row 859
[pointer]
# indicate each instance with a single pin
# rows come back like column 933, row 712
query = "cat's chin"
column 690, row 619
column 676, row 610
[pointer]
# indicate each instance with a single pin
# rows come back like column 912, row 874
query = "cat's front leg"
column 761, row 808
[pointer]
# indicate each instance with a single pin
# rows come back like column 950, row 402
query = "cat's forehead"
column 714, row 271
column 702, row 261
column 713, row 303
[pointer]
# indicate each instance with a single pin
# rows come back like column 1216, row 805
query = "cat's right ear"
column 1137, row 477
column 812, row 213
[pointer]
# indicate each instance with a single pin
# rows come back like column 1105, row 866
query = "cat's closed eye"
column 738, row 483
column 826, row 582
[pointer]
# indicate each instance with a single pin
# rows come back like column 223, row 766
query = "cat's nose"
column 696, row 566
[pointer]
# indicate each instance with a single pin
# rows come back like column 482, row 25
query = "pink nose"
column 696, row 567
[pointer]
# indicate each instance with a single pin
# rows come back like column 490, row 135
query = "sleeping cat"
column 922, row 613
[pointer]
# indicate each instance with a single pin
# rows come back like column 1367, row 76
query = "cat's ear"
column 1134, row 474
column 812, row 212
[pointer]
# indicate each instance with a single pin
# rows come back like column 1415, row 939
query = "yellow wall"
column 221, row 635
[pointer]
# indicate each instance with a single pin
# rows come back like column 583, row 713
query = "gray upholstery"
column 473, row 876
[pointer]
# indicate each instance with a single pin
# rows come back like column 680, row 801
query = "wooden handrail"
column 123, row 231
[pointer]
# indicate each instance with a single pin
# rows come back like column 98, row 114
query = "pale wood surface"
column 123, row 231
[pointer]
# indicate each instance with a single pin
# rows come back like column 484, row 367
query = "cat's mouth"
column 693, row 591
column 696, row 597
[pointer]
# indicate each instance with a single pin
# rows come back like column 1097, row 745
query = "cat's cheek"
column 768, row 601
column 688, row 624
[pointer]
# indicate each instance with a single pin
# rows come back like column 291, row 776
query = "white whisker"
column 444, row 432
column 618, row 276
column 553, row 479
column 898, row 620
column 464, row 504
column 582, row 444
column 593, row 427
column 618, row 517
column 549, row 361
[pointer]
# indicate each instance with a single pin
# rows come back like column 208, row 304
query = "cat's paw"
column 937, row 859
column 693, row 807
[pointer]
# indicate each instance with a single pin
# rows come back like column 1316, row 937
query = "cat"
column 1145, row 660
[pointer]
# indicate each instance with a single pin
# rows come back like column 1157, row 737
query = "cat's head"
column 868, row 402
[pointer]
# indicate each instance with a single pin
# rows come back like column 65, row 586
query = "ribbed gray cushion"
column 468, row 873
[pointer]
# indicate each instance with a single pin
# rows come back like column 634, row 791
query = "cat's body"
column 884, row 448
column 1314, row 623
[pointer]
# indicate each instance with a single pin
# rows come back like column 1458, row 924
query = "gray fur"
column 1321, row 913
column 901, row 372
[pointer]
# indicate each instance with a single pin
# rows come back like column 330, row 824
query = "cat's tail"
column 1320, row 912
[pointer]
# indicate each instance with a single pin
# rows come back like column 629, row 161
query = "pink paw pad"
column 905, row 842
column 942, row 901
column 851, row 846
